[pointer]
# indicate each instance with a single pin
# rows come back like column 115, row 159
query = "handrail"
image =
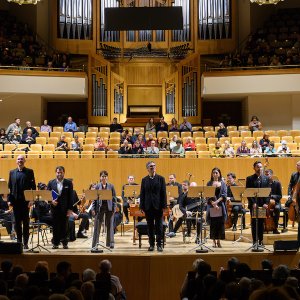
column 211, row 69
column 22, row 68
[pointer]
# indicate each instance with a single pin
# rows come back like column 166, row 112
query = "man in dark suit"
column 21, row 179
column 257, row 180
column 276, row 195
column 61, row 206
column 293, row 181
column 153, row 200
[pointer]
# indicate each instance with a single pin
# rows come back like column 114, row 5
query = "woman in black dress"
column 216, row 210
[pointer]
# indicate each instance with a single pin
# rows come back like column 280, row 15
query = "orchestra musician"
column 153, row 200
column 127, row 201
column 216, row 211
column 276, row 195
column 107, row 208
column 293, row 181
column 257, row 180
column 236, row 209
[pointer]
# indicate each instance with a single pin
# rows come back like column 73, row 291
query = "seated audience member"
column 15, row 138
column 255, row 150
column 100, row 145
column 88, row 275
column 150, row 139
column 255, row 124
column 174, row 125
column 113, row 281
column 115, row 126
column 12, row 127
column 142, row 140
column 243, row 149
column 222, row 131
column 33, row 130
column 28, row 138
column 228, row 150
column 134, row 137
column 164, row 145
column 178, row 150
column 125, row 149
column 62, row 144
column 152, row 151
column 270, row 150
column 162, row 125
column 173, row 141
column 264, row 142
column 126, row 135
column 70, row 126
column 76, row 145
column 185, row 125
column 45, row 127
column 150, row 126
column 3, row 137
column 217, row 150
column 137, row 149
column 62, row 279
column 189, row 145
column 283, row 150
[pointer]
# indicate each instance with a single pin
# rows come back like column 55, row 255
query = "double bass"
column 293, row 212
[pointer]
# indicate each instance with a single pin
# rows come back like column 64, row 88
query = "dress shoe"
column 55, row 247
column 160, row 249
column 80, row 235
column 65, row 246
column 112, row 246
column 276, row 231
column 25, row 247
column 219, row 244
column 12, row 236
column 234, row 228
column 151, row 248
column 197, row 240
column 171, row 234
column 127, row 222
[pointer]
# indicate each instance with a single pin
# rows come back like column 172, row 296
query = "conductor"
column 153, row 200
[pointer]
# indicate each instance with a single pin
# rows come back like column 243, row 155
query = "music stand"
column 257, row 193
column 172, row 192
column 36, row 197
column 237, row 192
column 201, row 192
column 104, row 195
column 132, row 191
column 3, row 188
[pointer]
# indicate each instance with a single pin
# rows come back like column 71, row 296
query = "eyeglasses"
column 151, row 166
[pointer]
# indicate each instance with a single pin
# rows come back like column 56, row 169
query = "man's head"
column 151, row 167
column 21, row 161
column 115, row 120
column 29, row 132
column 184, row 119
column 125, row 143
column 60, row 173
column 221, row 125
column 172, row 178
column 150, row 136
column 105, row 266
column 62, row 138
column 185, row 185
column 269, row 173
column 130, row 179
column 28, row 124
column 231, row 178
column 70, row 120
column 17, row 121
column 258, row 168
column 152, row 144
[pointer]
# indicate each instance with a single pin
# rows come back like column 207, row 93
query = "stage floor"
column 144, row 273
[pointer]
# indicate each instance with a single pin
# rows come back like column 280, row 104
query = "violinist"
column 236, row 209
column 293, row 181
column 276, row 195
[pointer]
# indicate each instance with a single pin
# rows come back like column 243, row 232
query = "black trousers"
column 276, row 214
column 7, row 221
column 60, row 228
column 21, row 213
column 236, row 209
column 155, row 226
column 125, row 209
column 260, row 227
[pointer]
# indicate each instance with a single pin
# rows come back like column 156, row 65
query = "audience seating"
column 231, row 128
column 114, row 147
column 186, row 134
column 114, row 141
column 58, row 129
column 55, row 134
column 201, row 147
column 60, row 154
column 197, row 134
column 88, row 147
column 53, row 140
column 86, row 154
column 210, row 134
column 47, row 154
column 115, row 135
column 282, row 133
column 90, row 140
column 246, row 134
column 41, row 140
column 172, row 133
column 33, row 154
column 271, row 132
column 49, row 147
column 68, row 134
column 164, row 154
column 106, row 129
column 9, row 147
column 43, row 134
column 92, row 129
column 103, row 134
column 16, row 153
column 191, row 154
column 287, row 138
column 73, row 154
column 99, row 154
column 208, row 128
column 112, row 154
column 36, row 147
column 275, row 139
column 243, row 128
column 91, row 134
column 162, row 134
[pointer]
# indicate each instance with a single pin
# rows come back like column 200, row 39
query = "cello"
column 293, row 212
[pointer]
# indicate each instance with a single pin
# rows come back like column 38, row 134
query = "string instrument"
column 228, row 223
column 293, row 212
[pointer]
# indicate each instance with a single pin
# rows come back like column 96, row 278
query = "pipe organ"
column 170, row 98
column 189, row 92
column 118, row 99
column 75, row 19
column 185, row 34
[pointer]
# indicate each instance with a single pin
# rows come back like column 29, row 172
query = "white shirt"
column 59, row 186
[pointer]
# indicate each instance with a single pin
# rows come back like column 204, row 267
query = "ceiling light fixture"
column 262, row 2
column 20, row 2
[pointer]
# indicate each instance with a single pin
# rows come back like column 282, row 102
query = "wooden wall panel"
column 144, row 95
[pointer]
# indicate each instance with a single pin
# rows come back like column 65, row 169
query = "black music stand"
column 104, row 195
column 36, row 197
column 257, row 193
column 238, row 192
column 201, row 192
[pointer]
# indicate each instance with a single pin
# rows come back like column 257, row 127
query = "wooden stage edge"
column 154, row 275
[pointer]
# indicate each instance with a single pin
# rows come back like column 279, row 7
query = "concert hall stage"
column 156, row 275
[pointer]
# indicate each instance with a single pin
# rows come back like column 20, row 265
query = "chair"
column 164, row 154
column 53, row 141
column 231, row 128
column 92, row 134
column 186, row 134
column 287, row 138
column 217, row 128
column 93, row 129
column 294, row 133
column 257, row 134
column 249, row 139
column 292, row 146
column 17, row 153
column 47, row 154
column 1, row 147
column 49, row 147
column 33, row 154
column 210, row 134
column 6, row 154
column 236, row 140
column 86, row 154
column 10, row 147
column 196, row 128
column 196, row 134
column 246, row 133
column 151, row 132
column 223, row 139
column 68, row 140
column 141, row 129
column 103, row 134
column 105, row 129
column 271, row 132
column 233, row 134
column 37, row 128
column 162, row 134
column 43, row 134
column 115, row 135
column 41, row 140
column 73, row 154
column 243, row 128
column 36, row 147
column 172, row 133
column 90, row 140
column 80, row 134
column 203, row 154
column 190, row 154
column 60, row 154
column 114, row 141
column 88, row 147
column 282, row 133
column 22, row 146
column 99, row 154
column 58, row 129
column 275, row 139
column 212, row 140
column 200, row 140
column 115, row 147
column 208, row 128
column 56, row 134
column 68, row 134
column 297, row 139
column 201, row 147
column 112, row 154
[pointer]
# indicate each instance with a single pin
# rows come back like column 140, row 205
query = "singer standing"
column 153, row 200
column 21, row 179
column 257, row 180
column 61, row 206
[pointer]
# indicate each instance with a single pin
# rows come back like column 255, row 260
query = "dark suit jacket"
column 293, row 181
column 253, row 182
column 153, row 197
column 28, row 183
column 276, row 191
column 65, row 199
